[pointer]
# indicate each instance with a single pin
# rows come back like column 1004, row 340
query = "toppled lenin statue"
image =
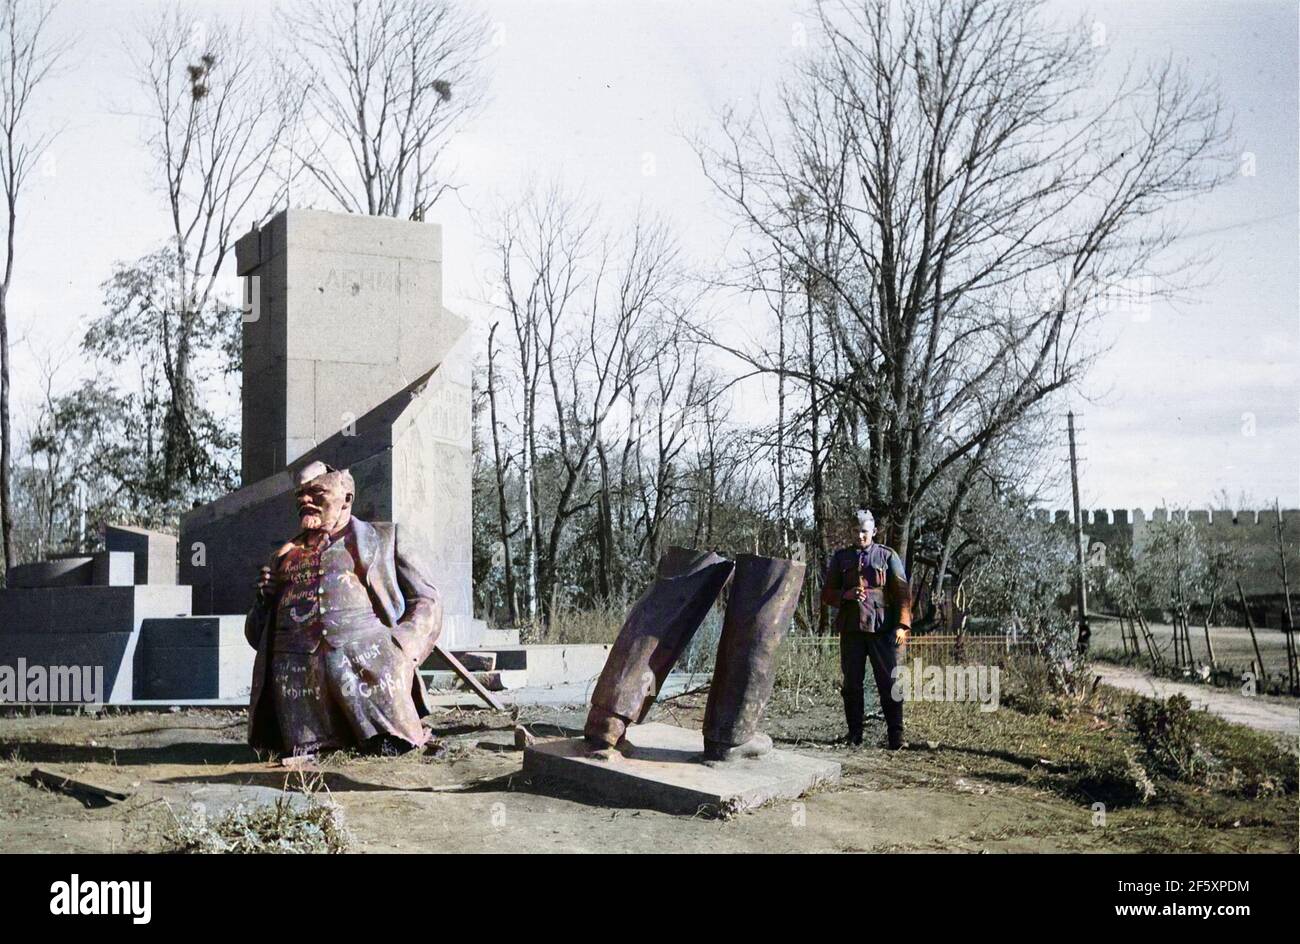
column 661, row 624
column 344, row 616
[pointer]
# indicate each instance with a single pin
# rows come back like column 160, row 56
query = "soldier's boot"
column 893, row 712
column 764, row 593
column 854, row 709
column 657, row 630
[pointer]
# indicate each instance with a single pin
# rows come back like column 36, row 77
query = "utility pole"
column 1084, row 632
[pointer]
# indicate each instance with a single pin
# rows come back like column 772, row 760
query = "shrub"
column 1167, row 733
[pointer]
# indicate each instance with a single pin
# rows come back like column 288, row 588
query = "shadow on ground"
column 196, row 752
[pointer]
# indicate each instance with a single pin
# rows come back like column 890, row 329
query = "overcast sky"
column 1193, row 399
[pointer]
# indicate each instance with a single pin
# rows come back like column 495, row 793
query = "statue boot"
column 764, row 594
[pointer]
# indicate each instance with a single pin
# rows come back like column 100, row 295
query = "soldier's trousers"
column 856, row 650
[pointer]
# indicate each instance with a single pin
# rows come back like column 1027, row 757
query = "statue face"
column 323, row 504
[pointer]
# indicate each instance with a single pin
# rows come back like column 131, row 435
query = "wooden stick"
column 1250, row 624
column 468, row 677
column 71, row 785
column 1214, row 602
column 1292, row 670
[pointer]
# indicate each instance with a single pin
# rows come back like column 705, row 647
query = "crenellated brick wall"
column 1251, row 531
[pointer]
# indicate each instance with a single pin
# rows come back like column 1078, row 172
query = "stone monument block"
column 102, row 609
column 345, row 310
column 350, row 359
column 112, row 652
column 155, row 552
column 85, row 626
column 114, row 569
column 194, row 657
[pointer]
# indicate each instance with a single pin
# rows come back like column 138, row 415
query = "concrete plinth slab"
column 660, row 768
column 111, row 654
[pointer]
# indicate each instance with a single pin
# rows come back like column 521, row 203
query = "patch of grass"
column 1244, row 762
column 310, row 826
column 1031, row 686
column 1094, row 754
column 807, row 672
column 572, row 626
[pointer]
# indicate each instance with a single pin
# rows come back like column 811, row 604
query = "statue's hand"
column 268, row 585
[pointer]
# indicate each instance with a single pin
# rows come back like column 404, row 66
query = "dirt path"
column 1263, row 713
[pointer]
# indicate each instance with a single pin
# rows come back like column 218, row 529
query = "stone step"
column 555, row 664
column 482, row 659
column 60, row 572
column 89, row 609
column 499, row 680
column 536, row 666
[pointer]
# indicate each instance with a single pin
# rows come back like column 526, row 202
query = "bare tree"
column 607, row 384
column 387, row 84
column 538, row 242
column 28, row 57
column 215, row 122
column 960, row 197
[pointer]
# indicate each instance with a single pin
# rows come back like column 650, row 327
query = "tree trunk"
column 604, row 528
column 503, row 516
column 7, row 544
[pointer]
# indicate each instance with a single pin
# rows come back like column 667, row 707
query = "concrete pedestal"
column 659, row 768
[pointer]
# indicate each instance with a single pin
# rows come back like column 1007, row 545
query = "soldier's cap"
column 321, row 470
column 865, row 520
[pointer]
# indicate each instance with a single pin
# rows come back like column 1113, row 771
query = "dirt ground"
column 944, row 794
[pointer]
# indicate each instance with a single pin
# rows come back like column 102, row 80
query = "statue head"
column 324, row 495
column 866, row 526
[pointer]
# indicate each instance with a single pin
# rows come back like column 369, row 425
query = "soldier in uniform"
column 867, row 584
column 344, row 616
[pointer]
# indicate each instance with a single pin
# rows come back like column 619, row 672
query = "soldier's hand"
column 900, row 636
column 268, row 585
